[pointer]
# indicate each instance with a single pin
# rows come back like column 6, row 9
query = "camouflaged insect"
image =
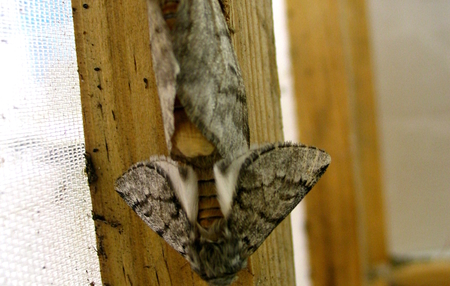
column 256, row 188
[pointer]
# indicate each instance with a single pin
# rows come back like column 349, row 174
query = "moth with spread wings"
column 256, row 188
column 256, row 191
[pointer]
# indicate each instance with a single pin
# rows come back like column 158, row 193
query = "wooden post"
column 367, row 166
column 321, row 86
column 123, row 125
column 335, row 103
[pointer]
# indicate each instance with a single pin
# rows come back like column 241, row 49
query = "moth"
column 256, row 187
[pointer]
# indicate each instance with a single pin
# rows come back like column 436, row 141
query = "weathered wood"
column 123, row 125
column 187, row 140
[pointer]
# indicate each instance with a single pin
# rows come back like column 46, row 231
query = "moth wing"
column 210, row 85
column 165, row 66
column 271, row 182
column 164, row 195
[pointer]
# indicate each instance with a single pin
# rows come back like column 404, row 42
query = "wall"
column 411, row 50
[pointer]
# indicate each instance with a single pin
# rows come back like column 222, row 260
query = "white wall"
column 411, row 56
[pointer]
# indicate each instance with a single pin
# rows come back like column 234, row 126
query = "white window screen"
column 47, row 236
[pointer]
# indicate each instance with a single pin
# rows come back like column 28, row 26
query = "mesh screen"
column 47, row 235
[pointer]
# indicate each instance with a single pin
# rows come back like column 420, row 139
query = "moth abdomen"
column 169, row 10
column 208, row 206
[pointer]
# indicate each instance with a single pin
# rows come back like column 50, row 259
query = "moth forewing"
column 210, row 85
column 147, row 188
column 272, row 180
column 165, row 66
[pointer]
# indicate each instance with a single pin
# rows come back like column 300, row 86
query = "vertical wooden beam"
column 364, row 126
column 322, row 93
column 123, row 125
column 335, row 98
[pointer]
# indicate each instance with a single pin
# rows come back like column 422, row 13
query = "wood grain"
column 364, row 125
column 325, row 81
column 123, row 125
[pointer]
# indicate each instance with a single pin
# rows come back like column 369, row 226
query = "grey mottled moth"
column 256, row 188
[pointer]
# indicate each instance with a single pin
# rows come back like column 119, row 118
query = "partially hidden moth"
column 256, row 187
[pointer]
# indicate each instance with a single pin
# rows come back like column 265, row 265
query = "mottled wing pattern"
column 165, row 66
column 148, row 188
column 271, row 182
column 210, row 85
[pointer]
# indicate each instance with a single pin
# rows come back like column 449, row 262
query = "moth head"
column 217, row 260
